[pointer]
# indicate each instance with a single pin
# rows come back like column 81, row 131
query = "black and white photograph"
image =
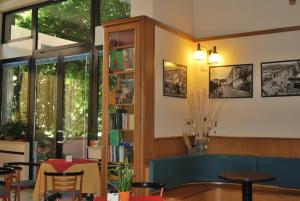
column 231, row 81
column 174, row 79
column 280, row 78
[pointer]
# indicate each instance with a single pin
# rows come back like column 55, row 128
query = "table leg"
column 247, row 190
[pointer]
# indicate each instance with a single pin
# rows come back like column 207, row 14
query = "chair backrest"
column 149, row 185
column 64, row 181
column 8, row 179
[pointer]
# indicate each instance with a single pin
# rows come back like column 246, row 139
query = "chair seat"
column 64, row 194
column 24, row 184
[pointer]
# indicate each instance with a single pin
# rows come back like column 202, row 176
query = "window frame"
column 95, row 21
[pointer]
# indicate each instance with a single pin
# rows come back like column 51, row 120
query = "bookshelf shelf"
column 122, row 47
column 128, row 112
column 131, row 71
column 122, row 105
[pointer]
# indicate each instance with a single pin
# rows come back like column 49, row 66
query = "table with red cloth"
column 135, row 198
column 90, row 179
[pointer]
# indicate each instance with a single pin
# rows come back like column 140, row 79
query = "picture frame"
column 280, row 78
column 231, row 81
column 174, row 80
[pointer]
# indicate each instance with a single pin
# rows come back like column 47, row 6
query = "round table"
column 246, row 178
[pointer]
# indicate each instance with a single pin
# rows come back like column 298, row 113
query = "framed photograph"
column 232, row 81
column 174, row 80
column 280, row 78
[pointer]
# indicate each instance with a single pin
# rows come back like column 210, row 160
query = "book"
column 112, row 121
column 121, row 59
column 125, row 93
column 114, row 137
column 116, row 60
column 128, row 59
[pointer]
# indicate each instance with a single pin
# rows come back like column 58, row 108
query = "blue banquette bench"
column 174, row 171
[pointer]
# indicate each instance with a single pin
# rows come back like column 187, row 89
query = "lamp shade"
column 214, row 57
column 199, row 54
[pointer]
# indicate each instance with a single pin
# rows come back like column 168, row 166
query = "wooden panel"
column 228, row 192
column 171, row 146
column 281, row 147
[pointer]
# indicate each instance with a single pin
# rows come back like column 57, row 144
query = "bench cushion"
column 193, row 168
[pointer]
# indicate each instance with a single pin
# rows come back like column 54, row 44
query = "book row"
column 120, row 153
column 121, row 119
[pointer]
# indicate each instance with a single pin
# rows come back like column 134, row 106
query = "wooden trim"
column 171, row 29
column 188, row 37
column 251, row 33
column 153, row 21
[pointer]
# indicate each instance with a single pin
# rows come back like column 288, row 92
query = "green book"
column 114, row 137
column 116, row 60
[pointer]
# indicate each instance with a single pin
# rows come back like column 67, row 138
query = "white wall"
column 175, row 13
column 215, row 17
column 142, row 7
column 170, row 111
column 257, row 116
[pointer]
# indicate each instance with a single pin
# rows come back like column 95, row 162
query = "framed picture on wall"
column 231, row 81
column 174, row 79
column 280, row 78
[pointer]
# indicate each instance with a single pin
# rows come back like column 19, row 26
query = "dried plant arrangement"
column 203, row 117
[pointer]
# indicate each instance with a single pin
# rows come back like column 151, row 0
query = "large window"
column 64, row 23
column 14, row 92
column 60, row 95
column 17, row 25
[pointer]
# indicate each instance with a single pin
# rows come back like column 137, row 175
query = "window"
column 114, row 9
column 64, row 23
column 14, row 91
column 18, row 25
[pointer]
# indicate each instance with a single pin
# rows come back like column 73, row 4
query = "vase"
column 124, row 196
column 200, row 146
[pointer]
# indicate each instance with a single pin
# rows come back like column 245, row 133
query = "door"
column 61, row 105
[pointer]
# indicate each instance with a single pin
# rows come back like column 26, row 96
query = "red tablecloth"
column 60, row 165
column 136, row 198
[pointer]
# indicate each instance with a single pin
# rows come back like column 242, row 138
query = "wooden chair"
column 5, row 192
column 65, row 184
column 150, row 185
column 19, row 184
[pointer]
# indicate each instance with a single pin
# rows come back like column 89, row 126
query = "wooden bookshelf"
column 128, row 113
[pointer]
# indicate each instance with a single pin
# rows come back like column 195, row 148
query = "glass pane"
column 45, row 109
column 14, row 92
column 100, row 92
column 76, row 85
column 18, row 25
column 114, row 9
column 64, row 23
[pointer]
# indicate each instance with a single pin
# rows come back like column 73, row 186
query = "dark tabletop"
column 236, row 176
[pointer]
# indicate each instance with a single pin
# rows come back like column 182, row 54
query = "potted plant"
column 125, row 175
column 14, row 130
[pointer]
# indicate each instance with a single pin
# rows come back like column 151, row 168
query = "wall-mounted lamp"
column 212, row 55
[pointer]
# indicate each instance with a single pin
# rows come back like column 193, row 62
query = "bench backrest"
column 194, row 168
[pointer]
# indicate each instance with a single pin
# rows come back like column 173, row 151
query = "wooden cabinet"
column 128, row 96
